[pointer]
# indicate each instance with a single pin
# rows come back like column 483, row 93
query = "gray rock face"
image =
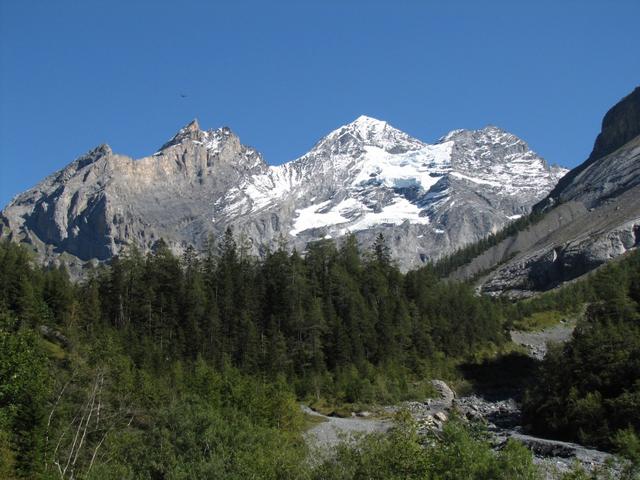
column 592, row 217
column 365, row 177
column 104, row 201
column 620, row 125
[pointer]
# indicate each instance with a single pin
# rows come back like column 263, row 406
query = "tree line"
column 334, row 309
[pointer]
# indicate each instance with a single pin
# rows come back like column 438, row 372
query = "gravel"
column 333, row 430
column 537, row 342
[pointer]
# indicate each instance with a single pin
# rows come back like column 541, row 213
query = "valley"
column 202, row 288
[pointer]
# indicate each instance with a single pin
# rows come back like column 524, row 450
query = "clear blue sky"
column 74, row 74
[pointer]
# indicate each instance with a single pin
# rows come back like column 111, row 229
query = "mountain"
column 591, row 217
column 366, row 177
column 593, row 180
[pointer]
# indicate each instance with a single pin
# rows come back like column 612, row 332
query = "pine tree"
column 227, row 285
column 193, row 305
column 381, row 251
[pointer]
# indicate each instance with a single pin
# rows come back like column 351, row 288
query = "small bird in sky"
column 182, row 95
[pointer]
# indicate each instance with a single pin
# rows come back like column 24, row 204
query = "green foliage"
column 212, row 425
column 539, row 321
column 459, row 452
column 604, row 284
column 316, row 319
column 352, row 387
column 589, row 390
column 627, row 444
column 190, row 367
column 23, row 388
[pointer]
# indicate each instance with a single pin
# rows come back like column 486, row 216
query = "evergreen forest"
column 159, row 366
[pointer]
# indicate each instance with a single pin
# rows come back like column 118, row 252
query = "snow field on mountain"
column 317, row 216
column 368, row 173
column 421, row 168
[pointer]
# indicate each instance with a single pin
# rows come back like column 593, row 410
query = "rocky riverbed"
column 501, row 415
column 502, row 418
column 504, row 421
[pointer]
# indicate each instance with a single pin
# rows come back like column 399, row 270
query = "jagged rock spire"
column 189, row 131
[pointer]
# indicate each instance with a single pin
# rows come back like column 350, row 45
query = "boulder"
column 55, row 336
column 445, row 392
column 441, row 416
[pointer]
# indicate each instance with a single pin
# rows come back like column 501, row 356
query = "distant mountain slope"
column 365, row 177
column 592, row 216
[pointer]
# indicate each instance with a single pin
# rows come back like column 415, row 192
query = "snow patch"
column 313, row 217
column 396, row 213
column 416, row 168
column 475, row 179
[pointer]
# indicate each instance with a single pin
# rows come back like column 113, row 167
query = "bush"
column 458, row 452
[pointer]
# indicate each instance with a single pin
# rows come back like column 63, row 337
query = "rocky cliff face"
column 592, row 216
column 620, row 125
column 365, row 177
column 103, row 201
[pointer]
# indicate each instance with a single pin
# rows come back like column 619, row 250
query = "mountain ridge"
column 620, row 125
column 365, row 177
column 591, row 217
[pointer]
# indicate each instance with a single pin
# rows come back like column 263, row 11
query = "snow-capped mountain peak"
column 364, row 177
column 367, row 172
column 366, row 131
column 370, row 130
column 365, row 124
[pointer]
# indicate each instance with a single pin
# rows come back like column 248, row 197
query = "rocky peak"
column 364, row 131
column 214, row 140
column 370, row 131
column 190, row 131
column 219, row 143
column 101, row 150
column 86, row 160
column 489, row 135
column 94, row 155
column 490, row 144
column 192, row 126
column 493, row 145
column 620, row 125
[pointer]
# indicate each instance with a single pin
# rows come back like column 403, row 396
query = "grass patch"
column 490, row 352
column 309, row 421
column 53, row 350
column 539, row 321
column 336, row 409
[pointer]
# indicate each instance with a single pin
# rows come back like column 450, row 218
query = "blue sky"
column 281, row 74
